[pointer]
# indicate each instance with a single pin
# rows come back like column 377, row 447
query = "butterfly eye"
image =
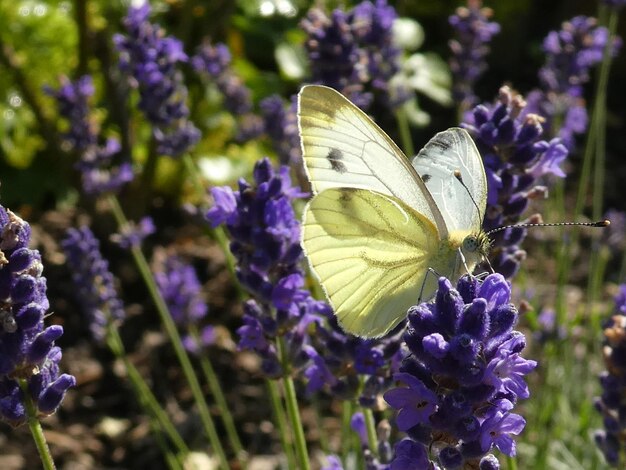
column 470, row 243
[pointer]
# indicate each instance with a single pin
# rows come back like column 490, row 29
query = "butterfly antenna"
column 457, row 175
column 600, row 223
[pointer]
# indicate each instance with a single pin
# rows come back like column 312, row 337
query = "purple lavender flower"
column 353, row 52
column 515, row 161
column 474, row 32
column 98, row 176
column 570, row 54
column 614, row 3
column 354, row 367
column 133, row 235
column 265, row 239
column 372, row 24
column 464, row 374
column 94, row 283
column 610, row 404
column 281, row 125
column 27, row 350
column 151, row 59
column 215, row 62
column 179, row 285
column 181, row 290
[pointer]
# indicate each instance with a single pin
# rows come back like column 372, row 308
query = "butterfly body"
column 377, row 221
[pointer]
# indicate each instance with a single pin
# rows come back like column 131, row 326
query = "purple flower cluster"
column 98, row 176
column 179, row 285
column 463, row 376
column 266, row 243
column 94, row 283
column 27, row 351
column 151, row 59
column 474, row 32
column 133, row 234
column 612, row 439
column 349, row 367
column 281, row 125
column 265, row 240
column 515, row 158
column 570, row 54
column 353, row 52
column 215, row 62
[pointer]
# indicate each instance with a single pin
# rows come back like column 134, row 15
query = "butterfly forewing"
column 370, row 252
column 344, row 148
column 449, row 151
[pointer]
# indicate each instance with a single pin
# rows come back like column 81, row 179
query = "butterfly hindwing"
column 344, row 148
column 371, row 252
column 436, row 163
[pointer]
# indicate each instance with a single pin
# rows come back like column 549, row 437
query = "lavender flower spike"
column 179, row 285
column 617, row 4
column 27, row 350
column 93, row 281
column 151, row 59
column 464, row 375
column 571, row 53
column 83, row 138
column 214, row 61
column 517, row 162
column 611, row 440
column 353, row 52
column 265, row 240
column 469, row 49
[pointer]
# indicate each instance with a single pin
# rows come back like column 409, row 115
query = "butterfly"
column 378, row 222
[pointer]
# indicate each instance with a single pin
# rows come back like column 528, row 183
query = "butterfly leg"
column 432, row 272
column 489, row 264
column 461, row 258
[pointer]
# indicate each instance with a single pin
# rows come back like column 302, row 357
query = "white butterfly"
column 377, row 222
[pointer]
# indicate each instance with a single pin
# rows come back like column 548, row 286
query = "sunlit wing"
column 370, row 252
column 344, row 148
column 436, row 163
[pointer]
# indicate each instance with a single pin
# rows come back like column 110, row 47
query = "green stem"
column 600, row 118
column 323, row 435
column 293, row 412
column 172, row 460
column 370, row 426
column 172, row 332
column 80, row 17
column 281, row 421
column 599, row 152
column 511, row 463
column 405, row 133
column 143, row 392
column 35, row 428
column 346, row 431
column 216, row 390
column 594, row 155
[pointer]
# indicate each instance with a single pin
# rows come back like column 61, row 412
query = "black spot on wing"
column 426, row 178
column 335, row 158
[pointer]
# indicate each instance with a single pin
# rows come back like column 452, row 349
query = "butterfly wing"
column 370, row 252
column 344, row 148
column 436, row 163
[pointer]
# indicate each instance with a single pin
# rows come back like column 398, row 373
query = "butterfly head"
column 476, row 243
column 475, row 248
